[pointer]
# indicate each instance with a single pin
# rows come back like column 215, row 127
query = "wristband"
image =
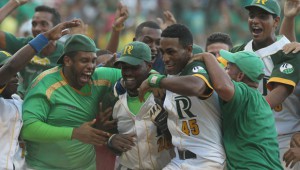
column 39, row 42
column 118, row 28
column 155, row 79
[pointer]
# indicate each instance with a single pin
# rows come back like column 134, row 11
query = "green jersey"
column 38, row 64
column 283, row 69
column 249, row 132
column 53, row 101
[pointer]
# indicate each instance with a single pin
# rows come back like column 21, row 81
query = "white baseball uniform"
column 195, row 125
column 148, row 152
column 10, row 127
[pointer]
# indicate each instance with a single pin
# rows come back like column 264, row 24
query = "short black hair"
column 179, row 31
column 55, row 15
column 218, row 37
column 149, row 24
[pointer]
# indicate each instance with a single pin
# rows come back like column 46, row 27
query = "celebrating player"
column 194, row 118
column 249, row 134
column 61, row 106
column 139, row 143
column 281, row 70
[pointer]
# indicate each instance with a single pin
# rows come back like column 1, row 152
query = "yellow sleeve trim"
column 207, row 83
column 42, row 75
column 280, row 80
column 2, row 88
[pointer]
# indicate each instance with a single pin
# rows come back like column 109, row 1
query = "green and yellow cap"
column 135, row 53
column 271, row 6
column 77, row 42
column 4, row 56
column 248, row 62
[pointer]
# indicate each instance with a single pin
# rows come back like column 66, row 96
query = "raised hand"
column 80, row 29
column 61, row 29
column 120, row 17
column 104, row 121
column 291, row 8
column 87, row 134
column 169, row 20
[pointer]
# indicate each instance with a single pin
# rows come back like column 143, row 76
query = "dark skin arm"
column 279, row 93
column 19, row 60
column 183, row 85
column 120, row 18
column 291, row 10
column 9, row 7
column 221, row 82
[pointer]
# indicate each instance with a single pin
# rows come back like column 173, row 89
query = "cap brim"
column 129, row 60
column 227, row 56
column 259, row 6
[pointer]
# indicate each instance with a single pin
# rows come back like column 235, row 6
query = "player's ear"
column 149, row 66
column 67, row 60
column 240, row 76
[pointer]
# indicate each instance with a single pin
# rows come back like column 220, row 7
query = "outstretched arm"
column 221, row 82
column 291, row 10
column 184, row 85
column 10, row 6
column 120, row 17
column 20, row 59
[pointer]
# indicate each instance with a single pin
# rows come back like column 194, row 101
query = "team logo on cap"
column 286, row 68
column 199, row 69
column 261, row 2
column 128, row 49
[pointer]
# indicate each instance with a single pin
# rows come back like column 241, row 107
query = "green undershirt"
column 134, row 103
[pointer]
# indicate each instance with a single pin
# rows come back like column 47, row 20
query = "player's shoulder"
column 194, row 68
column 48, row 77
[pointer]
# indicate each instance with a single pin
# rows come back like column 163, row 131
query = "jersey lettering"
column 183, row 105
column 261, row 1
column 190, row 126
column 128, row 49
column 164, row 143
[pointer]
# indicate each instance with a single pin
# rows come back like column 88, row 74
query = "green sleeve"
column 13, row 44
column 107, row 73
column 36, row 106
column 286, row 70
column 42, row 132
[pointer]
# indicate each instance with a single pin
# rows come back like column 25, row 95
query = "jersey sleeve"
column 286, row 72
column 13, row 44
column 236, row 100
column 110, row 74
column 36, row 106
column 198, row 69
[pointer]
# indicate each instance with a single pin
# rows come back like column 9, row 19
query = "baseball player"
column 248, row 124
column 281, row 70
column 139, row 143
column 194, row 118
